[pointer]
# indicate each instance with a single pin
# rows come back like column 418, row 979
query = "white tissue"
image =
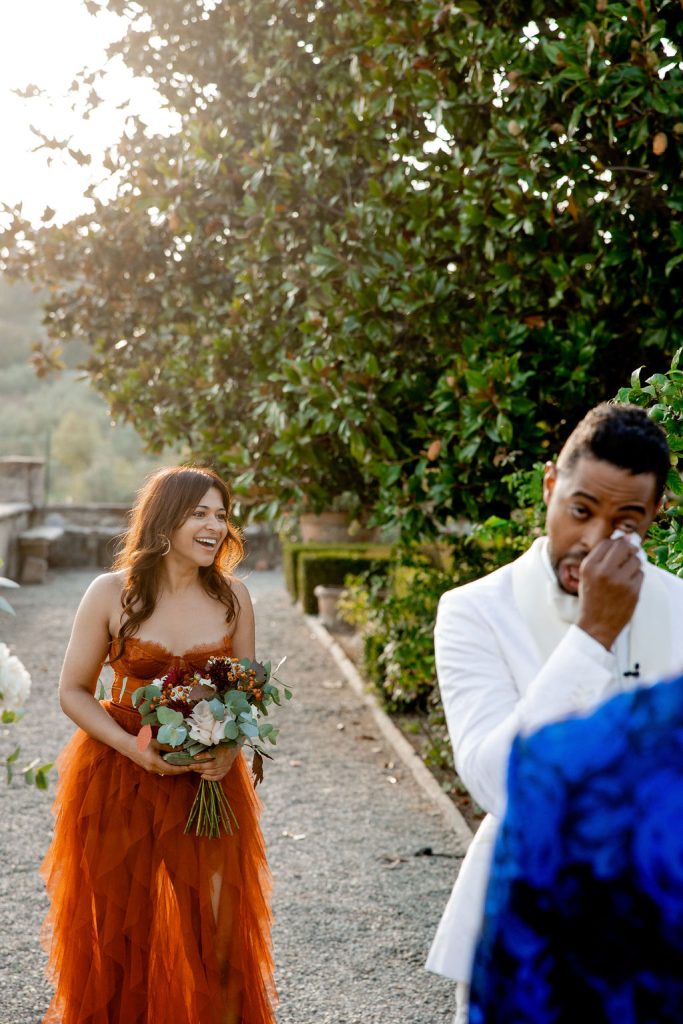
column 634, row 539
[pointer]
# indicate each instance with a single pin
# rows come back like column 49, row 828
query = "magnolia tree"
column 394, row 250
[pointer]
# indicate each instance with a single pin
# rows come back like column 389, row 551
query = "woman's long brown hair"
column 163, row 504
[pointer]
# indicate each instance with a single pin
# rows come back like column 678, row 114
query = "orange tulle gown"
column 148, row 925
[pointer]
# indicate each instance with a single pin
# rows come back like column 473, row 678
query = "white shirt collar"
column 566, row 605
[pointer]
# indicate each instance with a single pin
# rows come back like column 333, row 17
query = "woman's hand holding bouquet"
column 203, row 721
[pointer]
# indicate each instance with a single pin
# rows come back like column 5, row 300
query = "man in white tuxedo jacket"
column 580, row 616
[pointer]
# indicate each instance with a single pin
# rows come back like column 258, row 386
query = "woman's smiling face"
column 199, row 538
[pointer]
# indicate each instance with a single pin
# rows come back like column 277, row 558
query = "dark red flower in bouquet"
column 224, row 673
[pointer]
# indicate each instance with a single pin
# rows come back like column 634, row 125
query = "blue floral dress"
column 584, row 912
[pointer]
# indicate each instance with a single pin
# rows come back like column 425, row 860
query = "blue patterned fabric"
column 584, row 912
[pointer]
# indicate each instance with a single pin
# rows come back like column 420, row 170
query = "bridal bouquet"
column 194, row 713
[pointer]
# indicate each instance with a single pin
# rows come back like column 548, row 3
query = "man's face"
column 586, row 504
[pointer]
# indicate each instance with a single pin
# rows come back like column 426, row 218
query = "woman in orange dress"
column 148, row 925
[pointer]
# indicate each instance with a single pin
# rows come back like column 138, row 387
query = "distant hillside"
column 61, row 418
column 19, row 322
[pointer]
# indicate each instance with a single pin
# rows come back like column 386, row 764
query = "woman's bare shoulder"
column 239, row 591
column 238, row 587
column 100, row 606
column 106, row 588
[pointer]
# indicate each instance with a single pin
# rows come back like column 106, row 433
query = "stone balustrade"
column 15, row 517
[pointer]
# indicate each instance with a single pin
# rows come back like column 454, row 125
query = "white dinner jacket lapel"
column 651, row 633
column 530, row 588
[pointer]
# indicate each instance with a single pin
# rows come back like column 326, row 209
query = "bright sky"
column 45, row 43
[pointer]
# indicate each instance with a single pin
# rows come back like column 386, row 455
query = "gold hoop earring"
column 167, row 544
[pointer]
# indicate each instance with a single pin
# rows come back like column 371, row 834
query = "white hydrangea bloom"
column 15, row 682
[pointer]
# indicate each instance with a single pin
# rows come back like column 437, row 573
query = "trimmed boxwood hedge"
column 293, row 550
column 290, row 562
column 329, row 564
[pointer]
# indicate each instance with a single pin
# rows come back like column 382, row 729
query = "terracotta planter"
column 332, row 528
column 326, row 528
column 328, row 596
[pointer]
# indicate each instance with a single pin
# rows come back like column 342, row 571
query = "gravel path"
column 355, row 903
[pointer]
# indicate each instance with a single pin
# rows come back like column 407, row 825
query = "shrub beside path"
column 356, row 900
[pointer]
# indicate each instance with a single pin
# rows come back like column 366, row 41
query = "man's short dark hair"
column 623, row 435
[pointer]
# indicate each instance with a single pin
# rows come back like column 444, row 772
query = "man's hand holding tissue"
column 610, row 578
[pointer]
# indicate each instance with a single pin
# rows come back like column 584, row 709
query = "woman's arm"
column 83, row 661
column 243, row 646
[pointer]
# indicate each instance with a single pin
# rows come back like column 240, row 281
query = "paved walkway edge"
column 402, row 748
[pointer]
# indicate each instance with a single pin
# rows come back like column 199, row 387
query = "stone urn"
column 328, row 596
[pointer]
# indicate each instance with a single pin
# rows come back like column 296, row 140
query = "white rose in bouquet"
column 203, row 726
column 15, row 682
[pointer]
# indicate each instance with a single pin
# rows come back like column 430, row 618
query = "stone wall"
column 93, row 515
column 14, row 518
column 22, row 479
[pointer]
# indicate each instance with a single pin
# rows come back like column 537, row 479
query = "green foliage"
column 506, row 537
column 330, row 567
column 395, row 612
column 35, row 774
column 438, row 752
column 662, row 396
column 394, row 250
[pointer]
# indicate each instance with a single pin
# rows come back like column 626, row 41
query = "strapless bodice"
column 144, row 660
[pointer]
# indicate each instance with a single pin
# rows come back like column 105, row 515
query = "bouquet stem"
column 211, row 811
